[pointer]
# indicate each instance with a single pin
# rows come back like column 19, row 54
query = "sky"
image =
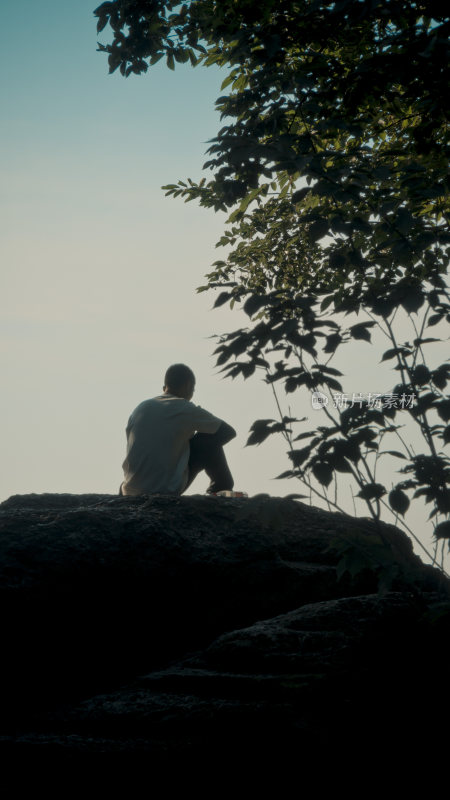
column 99, row 269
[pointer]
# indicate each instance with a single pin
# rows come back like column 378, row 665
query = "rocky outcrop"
column 177, row 629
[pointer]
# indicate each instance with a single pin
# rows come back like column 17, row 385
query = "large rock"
column 170, row 627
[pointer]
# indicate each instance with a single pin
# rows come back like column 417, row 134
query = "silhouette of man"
column 170, row 440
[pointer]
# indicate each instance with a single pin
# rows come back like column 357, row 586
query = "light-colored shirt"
column 158, row 434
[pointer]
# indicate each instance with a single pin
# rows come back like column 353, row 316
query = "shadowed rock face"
column 165, row 629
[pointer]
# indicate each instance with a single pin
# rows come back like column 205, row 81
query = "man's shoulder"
column 203, row 420
column 144, row 404
column 171, row 403
column 193, row 408
column 160, row 402
column 186, row 406
column 146, row 407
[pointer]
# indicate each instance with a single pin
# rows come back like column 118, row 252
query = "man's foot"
column 227, row 493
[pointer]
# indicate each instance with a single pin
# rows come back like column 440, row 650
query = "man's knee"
column 224, row 434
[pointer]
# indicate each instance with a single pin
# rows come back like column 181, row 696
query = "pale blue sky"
column 99, row 269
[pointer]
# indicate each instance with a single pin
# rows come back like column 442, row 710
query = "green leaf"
column 331, row 383
column 442, row 531
column 260, row 423
column 304, row 435
column 221, row 299
column 392, row 352
column 372, row 491
column 258, row 435
column 413, row 299
column 248, row 199
column 349, row 448
column 398, row 501
column 435, row 318
column 332, row 343
column 299, row 456
column 323, row 472
column 443, row 409
column 338, row 463
column 404, row 221
column 247, row 370
column 360, row 331
column 291, row 384
column 254, row 303
column 337, row 259
column 439, row 377
column 421, row 374
column 425, row 341
column 424, row 402
column 102, row 23
column 192, row 57
column 324, row 368
column 395, row 453
column 300, row 194
column 318, row 230
column 326, row 302
column 227, row 81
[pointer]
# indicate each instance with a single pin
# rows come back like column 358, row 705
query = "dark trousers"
column 206, row 453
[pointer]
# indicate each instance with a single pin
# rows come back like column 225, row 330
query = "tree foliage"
column 333, row 166
column 348, row 98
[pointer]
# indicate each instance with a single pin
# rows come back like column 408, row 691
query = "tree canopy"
column 339, row 109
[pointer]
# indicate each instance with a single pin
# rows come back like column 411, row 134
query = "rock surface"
column 170, row 630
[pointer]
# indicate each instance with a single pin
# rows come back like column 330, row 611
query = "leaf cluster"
column 337, row 108
column 293, row 328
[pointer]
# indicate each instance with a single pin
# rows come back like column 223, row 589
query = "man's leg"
column 207, row 453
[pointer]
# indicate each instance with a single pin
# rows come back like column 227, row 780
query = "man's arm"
column 205, row 422
column 225, row 433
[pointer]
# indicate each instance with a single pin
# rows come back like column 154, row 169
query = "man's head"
column 180, row 381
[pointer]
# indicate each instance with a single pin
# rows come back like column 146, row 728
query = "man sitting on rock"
column 170, row 440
